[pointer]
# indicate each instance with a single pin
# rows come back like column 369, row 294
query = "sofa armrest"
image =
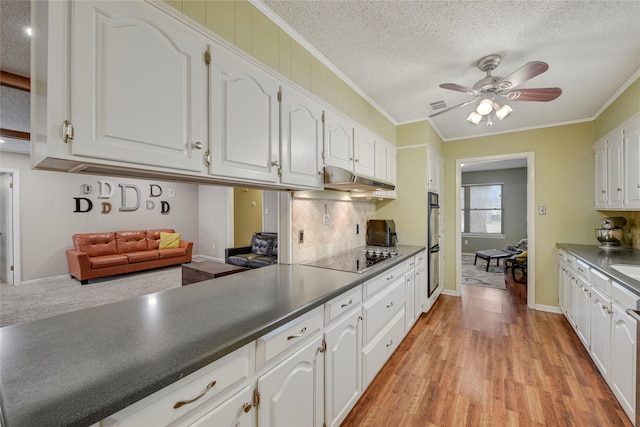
column 79, row 264
column 235, row 251
column 189, row 247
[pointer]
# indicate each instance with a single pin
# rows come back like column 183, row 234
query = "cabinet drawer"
column 410, row 264
column 378, row 352
column 382, row 280
column 236, row 411
column 624, row 297
column 379, row 310
column 601, row 282
column 342, row 304
column 420, row 258
column 275, row 342
column 187, row 394
column 583, row 270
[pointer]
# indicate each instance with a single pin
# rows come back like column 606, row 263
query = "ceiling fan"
column 487, row 90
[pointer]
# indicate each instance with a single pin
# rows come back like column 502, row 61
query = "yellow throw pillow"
column 522, row 256
column 169, row 240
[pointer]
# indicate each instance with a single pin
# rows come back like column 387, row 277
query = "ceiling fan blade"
column 543, row 94
column 459, row 88
column 453, row 108
column 522, row 74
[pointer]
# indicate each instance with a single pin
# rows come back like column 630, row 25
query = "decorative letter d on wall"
column 123, row 191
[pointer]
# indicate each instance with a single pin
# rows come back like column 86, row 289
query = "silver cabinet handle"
column 275, row 163
column 301, row 333
column 198, row 145
column 347, row 304
column 186, row 402
column 390, row 304
column 390, row 277
column 390, row 343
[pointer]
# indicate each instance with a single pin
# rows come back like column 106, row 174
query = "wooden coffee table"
column 199, row 271
column 490, row 254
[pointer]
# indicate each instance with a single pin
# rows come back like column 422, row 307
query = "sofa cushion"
column 242, row 260
column 96, row 244
column 108, row 261
column 153, row 237
column 169, row 240
column 261, row 261
column 131, row 241
column 172, row 253
column 261, row 245
column 142, row 256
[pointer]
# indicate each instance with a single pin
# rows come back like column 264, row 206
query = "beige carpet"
column 50, row 297
column 477, row 276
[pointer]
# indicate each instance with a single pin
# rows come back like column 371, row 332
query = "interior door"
column 6, row 227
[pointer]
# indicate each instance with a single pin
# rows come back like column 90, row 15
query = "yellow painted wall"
column 247, row 215
column 625, row 106
column 241, row 24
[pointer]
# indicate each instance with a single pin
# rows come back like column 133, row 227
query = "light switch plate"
column 542, row 210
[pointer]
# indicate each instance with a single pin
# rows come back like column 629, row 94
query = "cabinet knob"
column 246, row 407
column 198, row 145
column 618, row 189
column 275, row 163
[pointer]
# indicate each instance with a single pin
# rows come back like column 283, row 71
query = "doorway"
column 488, row 162
column 10, row 226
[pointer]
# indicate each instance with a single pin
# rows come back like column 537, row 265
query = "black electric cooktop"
column 355, row 260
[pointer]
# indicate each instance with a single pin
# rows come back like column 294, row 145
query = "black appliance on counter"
column 381, row 232
column 433, row 246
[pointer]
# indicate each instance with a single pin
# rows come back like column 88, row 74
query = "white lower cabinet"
column 622, row 375
column 601, row 331
column 343, row 374
column 234, row 412
column 292, row 393
column 378, row 351
column 410, row 293
column 583, row 314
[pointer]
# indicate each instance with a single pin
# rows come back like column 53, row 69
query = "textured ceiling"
column 398, row 52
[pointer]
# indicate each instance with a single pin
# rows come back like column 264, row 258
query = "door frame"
column 15, row 212
column 531, row 258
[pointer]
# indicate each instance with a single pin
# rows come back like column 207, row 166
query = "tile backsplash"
column 635, row 231
column 338, row 235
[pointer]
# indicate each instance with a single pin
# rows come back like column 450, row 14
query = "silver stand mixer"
column 611, row 235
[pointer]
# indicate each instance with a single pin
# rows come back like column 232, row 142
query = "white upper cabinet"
column 338, row 141
column 244, row 120
column 631, row 183
column 434, row 169
column 363, row 152
column 617, row 176
column 301, row 140
column 129, row 80
column 600, row 151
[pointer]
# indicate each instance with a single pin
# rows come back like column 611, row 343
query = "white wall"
column 214, row 220
column 48, row 220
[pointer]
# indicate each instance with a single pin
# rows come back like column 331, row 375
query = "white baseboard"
column 449, row 292
column 548, row 308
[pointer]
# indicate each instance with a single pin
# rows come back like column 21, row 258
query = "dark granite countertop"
column 78, row 368
column 602, row 259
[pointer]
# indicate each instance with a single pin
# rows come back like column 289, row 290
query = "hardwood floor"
column 485, row 359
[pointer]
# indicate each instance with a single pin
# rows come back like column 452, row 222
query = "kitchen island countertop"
column 603, row 259
column 80, row 367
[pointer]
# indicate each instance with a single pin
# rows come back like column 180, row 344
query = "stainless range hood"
column 343, row 180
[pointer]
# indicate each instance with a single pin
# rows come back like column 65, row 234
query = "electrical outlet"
column 466, row 242
column 325, row 219
column 300, row 236
column 542, row 210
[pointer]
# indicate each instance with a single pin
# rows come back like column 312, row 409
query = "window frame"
column 466, row 210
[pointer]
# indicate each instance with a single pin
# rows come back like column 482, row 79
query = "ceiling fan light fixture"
column 503, row 111
column 474, row 118
column 484, row 107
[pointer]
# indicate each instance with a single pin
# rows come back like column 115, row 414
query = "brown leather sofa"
column 106, row 254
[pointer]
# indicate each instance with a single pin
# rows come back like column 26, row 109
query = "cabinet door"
column 562, row 285
column 410, row 296
column 343, row 381
column 421, row 291
column 139, row 88
column 600, row 151
column 391, row 164
column 292, row 393
column 301, row 140
column 381, row 164
column 631, row 161
column 433, row 169
column 601, row 331
column 338, row 141
column 614, row 170
column 623, row 360
column 244, row 120
column 364, row 152
column 234, row 412
column 571, row 287
column 583, row 311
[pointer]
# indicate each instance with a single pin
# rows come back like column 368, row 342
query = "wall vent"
column 439, row 105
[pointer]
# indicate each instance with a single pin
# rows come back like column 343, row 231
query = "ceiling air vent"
column 439, row 105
